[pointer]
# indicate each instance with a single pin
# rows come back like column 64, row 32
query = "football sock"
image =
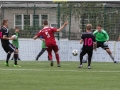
column 89, row 60
column 57, row 58
column 81, row 58
column 8, row 57
column 111, row 57
column 15, row 57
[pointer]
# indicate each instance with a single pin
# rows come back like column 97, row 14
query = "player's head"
column 16, row 29
column 5, row 23
column 88, row 27
column 45, row 23
column 99, row 27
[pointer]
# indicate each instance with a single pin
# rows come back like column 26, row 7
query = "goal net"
column 29, row 17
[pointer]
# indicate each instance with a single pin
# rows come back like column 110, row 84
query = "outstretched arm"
column 35, row 37
column 58, row 30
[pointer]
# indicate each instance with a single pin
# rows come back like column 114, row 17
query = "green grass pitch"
column 38, row 75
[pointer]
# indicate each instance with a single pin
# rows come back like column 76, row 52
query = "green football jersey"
column 101, row 36
column 16, row 41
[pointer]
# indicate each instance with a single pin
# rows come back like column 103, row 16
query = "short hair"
column 16, row 28
column 88, row 27
column 45, row 22
column 4, row 21
column 99, row 25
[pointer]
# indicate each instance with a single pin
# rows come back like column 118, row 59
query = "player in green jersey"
column 43, row 48
column 16, row 41
column 101, row 38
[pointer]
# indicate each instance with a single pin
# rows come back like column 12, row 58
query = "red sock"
column 57, row 58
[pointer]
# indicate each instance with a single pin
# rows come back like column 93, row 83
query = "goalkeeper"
column 43, row 48
column 101, row 38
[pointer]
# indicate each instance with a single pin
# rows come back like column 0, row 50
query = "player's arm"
column 81, row 40
column 58, row 30
column 5, row 36
column 106, row 36
column 94, row 44
column 36, row 36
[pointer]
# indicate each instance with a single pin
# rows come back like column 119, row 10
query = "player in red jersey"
column 48, row 34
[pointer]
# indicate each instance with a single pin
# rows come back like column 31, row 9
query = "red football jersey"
column 48, row 34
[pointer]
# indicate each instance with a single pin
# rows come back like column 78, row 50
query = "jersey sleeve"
column 106, row 35
column 54, row 29
column 39, row 34
column 4, row 31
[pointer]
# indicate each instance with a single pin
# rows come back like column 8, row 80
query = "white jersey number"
column 47, row 34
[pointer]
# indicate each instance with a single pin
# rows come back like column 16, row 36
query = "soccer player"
column 102, row 37
column 88, row 41
column 43, row 48
column 7, row 46
column 15, row 42
column 48, row 34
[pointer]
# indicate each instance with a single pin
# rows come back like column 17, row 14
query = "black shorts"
column 102, row 45
column 89, row 52
column 8, row 47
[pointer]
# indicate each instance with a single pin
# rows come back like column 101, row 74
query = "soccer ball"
column 14, row 37
column 75, row 52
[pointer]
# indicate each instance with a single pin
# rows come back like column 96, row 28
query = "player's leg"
column 48, row 58
column 41, row 52
column 110, row 54
column 12, row 57
column 15, row 57
column 82, row 53
column 13, row 49
column 105, row 47
column 55, row 48
column 6, row 49
column 90, row 53
column 18, row 55
column 49, row 50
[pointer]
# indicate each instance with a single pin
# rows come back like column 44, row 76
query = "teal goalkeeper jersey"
column 101, row 36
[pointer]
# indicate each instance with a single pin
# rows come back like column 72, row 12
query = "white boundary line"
column 43, row 70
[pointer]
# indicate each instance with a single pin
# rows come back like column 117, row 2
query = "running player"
column 43, row 48
column 48, row 34
column 89, row 40
column 7, row 46
column 15, row 42
column 101, row 38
